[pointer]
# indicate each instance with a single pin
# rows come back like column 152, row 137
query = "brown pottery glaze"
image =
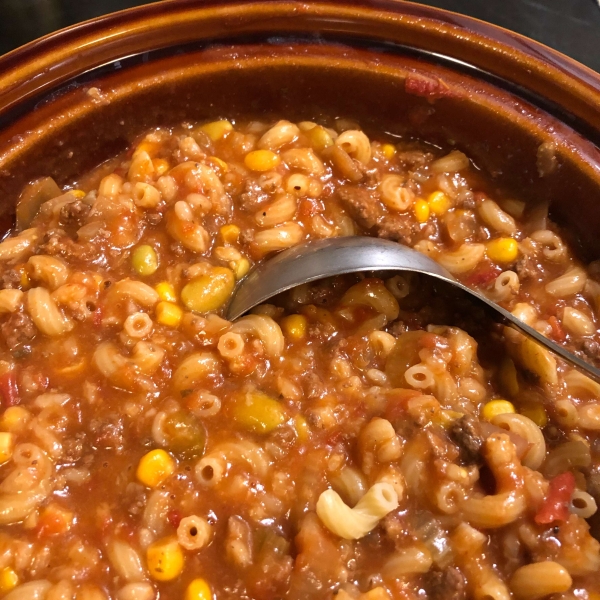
column 77, row 97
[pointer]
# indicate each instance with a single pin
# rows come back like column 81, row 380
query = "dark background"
column 570, row 26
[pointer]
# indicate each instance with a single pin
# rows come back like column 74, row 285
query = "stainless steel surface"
column 326, row 258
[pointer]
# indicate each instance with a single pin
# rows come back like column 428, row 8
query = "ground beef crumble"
column 18, row 331
column 465, row 433
column 371, row 215
column 448, row 584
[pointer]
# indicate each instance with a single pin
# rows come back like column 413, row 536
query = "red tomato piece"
column 174, row 517
column 558, row 333
column 8, row 389
column 483, row 276
column 555, row 505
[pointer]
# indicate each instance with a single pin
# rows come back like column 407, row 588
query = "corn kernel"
column 241, row 267
column 79, row 194
column 502, row 250
column 166, row 291
column 439, row 203
column 257, row 412
column 421, row 208
column 217, row 129
column 8, row 580
column 144, row 260
column 168, row 314
column 319, row 138
column 7, row 444
column 210, row 291
column 389, row 150
column 294, row 326
column 261, row 160
column 447, row 417
column 230, row 233
column 537, row 413
column 154, row 468
column 161, row 166
column 497, row 407
column 15, row 418
column 165, row 559
column 25, row 281
column 302, row 429
column 198, row 590
column 221, row 163
column 146, row 146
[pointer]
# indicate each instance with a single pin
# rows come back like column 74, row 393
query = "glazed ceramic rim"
column 34, row 70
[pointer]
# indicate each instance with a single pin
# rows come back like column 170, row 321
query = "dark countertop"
column 570, row 26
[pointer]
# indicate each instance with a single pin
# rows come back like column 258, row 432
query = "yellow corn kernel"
column 497, row 407
column 258, row 412
column 302, row 429
column 166, row 291
column 7, row 444
column 439, row 203
column 447, row 417
column 15, row 418
column 168, row 314
column 144, row 260
column 198, row 590
column 79, row 194
column 146, row 146
column 261, row 160
column 230, row 233
column 502, row 250
column 222, row 164
column 508, row 377
column 154, row 468
column 389, row 150
column 421, row 208
column 217, row 129
column 319, row 138
column 25, row 281
column 8, row 580
column 210, row 291
column 537, row 413
column 161, row 166
column 165, row 559
column 241, row 267
column 294, row 326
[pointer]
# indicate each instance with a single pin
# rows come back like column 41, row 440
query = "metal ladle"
column 319, row 259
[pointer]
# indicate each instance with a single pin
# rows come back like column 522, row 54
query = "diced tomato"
column 309, row 207
column 174, row 517
column 54, row 520
column 334, row 438
column 8, row 389
column 397, row 400
column 555, row 505
column 558, row 333
column 429, row 340
column 484, row 275
column 427, row 87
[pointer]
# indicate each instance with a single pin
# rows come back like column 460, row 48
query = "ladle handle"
column 318, row 259
column 511, row 321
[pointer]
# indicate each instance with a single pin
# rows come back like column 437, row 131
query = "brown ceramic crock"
column 77, row 97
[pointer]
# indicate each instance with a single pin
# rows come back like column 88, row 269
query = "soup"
column 372, row 437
